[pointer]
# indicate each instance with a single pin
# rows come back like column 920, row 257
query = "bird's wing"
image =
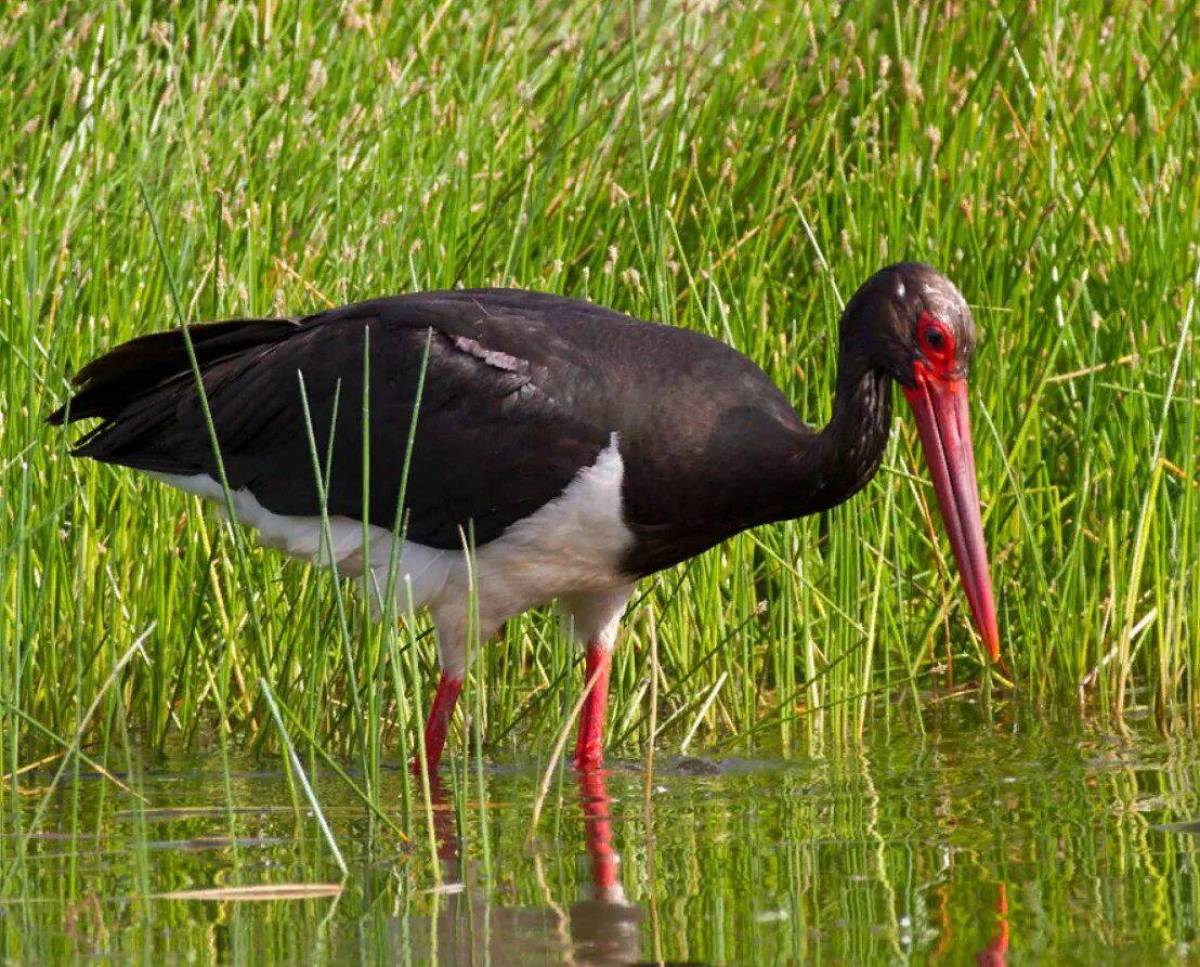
column 492, row 444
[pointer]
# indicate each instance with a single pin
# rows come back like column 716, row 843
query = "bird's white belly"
column 572, row 545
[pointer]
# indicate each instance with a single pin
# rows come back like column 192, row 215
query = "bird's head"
column 909, row 321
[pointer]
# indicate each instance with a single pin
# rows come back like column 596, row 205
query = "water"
column 983, row 840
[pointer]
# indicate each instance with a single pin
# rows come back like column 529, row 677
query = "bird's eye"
column 936, row 340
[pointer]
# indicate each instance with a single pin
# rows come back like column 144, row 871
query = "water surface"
column 981, row 840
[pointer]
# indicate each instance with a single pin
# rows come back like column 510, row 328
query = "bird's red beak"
column 940, row 406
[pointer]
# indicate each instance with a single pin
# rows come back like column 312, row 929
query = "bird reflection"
column 604, row 926
column 445, row 830
column 995, row 954
column 599, row 928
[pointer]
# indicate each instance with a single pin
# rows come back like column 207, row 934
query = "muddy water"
column 981, row 840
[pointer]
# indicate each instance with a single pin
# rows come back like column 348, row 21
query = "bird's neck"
column 847, row 452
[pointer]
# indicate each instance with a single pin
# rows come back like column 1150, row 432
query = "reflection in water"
column 599, row 928
column 605, row 926
column 889, row 852
column 445, row 831
column 995, row 954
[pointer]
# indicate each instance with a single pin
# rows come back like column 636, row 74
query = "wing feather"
column 491, row 444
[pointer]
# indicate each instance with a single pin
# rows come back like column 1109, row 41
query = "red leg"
column 439, row 722
column 589, row 749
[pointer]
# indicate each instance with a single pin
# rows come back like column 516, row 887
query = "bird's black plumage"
column 522, row 390
column 525, row 397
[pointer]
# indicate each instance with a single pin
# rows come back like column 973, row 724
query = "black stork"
column 580, row 448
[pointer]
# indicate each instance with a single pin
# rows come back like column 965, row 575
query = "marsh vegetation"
column 735, row 168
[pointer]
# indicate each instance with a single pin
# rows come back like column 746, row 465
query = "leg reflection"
column 995, row 954
column 445, row 827
column 605, row 925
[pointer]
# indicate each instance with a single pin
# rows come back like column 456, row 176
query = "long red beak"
column 943, row 418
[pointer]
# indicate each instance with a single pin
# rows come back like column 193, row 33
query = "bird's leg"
column 589, row 749
column 439, row 722
column 594, row 618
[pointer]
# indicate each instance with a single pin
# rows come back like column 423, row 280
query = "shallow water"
column 981, row 840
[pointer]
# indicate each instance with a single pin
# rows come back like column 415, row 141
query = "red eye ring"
column 936, row 341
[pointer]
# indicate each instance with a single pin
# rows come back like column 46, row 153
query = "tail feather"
column 109, row 384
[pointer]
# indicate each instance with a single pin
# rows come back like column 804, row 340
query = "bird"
column 530, row 448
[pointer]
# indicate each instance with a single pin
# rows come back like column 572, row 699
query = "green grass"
column 734, row 168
